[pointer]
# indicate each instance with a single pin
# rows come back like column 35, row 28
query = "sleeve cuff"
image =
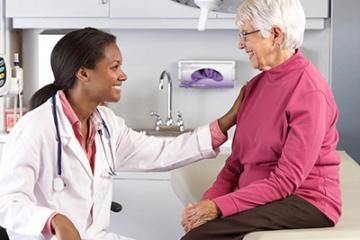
column 226, row 205
column 217, row 136
column 48, row 228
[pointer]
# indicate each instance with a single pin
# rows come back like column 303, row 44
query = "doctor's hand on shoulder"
column 64, row 228
column 229, row 119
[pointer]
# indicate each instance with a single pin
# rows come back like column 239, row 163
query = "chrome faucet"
column 169, row 121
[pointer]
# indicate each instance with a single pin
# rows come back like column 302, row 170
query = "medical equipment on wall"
column 58, row 183
column 221, row 6
column 11, row 82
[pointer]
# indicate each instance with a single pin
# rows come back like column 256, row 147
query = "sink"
column 161, row 133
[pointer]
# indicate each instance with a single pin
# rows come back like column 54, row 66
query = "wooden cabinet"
column 56, row 8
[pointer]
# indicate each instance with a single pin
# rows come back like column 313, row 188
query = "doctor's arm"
column 219, row 128
column 229, row 119
column 137, row 152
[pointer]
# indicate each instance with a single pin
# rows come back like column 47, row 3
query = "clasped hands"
column 199, row 213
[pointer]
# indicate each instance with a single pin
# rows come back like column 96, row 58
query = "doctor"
column 59, row 159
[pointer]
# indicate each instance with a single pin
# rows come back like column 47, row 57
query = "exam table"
column 190, row 182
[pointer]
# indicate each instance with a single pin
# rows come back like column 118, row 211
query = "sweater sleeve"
column 308, row 121
column 226, row 181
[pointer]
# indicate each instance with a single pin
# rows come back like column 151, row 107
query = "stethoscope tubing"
column 58, row 136
column 59, row 184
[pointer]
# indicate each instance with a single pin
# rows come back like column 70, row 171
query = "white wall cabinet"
column 151, row 9
column 316, row 8
column 312, row 8
column 56, row 8
column 134, row 14
column 316, row 12
column 99, row 8
column 151, row 210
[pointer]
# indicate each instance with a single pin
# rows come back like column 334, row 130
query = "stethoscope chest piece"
column 58, row 184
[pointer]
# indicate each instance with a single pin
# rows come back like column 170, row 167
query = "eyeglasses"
column 243, row 35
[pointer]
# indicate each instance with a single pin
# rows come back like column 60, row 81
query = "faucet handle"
column 180, row 122
column 179, row 114
column 158, row 119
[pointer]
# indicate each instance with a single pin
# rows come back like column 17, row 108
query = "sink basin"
column 161, row 133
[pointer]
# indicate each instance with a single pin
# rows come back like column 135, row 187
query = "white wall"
column 346, row 72
column 146, row 53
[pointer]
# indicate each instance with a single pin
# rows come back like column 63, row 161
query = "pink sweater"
column 284, row 143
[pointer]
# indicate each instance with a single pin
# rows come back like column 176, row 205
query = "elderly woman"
column 283, row 172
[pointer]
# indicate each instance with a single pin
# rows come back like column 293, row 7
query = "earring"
column 276, row 47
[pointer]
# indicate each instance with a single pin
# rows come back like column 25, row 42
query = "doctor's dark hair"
column 79, row 48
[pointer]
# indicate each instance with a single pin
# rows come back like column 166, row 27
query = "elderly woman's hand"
column 199, row 213
column 64, row 228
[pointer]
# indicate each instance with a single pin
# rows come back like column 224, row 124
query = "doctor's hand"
column 229, row 119
column 64, row 228
column 199, row 213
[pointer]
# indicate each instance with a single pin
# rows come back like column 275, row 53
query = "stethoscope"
column 58, row 183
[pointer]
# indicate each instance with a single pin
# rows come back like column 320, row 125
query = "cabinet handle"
column 104, row 1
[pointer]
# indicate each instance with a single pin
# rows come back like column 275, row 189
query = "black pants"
column 289, row 213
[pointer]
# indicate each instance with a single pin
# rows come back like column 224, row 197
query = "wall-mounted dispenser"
column 207, row 73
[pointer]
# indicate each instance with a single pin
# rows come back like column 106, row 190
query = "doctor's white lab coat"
column 29, row 166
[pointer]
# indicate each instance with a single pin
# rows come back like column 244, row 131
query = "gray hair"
column 265, row 14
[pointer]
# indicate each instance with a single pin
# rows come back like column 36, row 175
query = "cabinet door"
column 316, row 8
column 151, row 210
column 312, row 9
column 151, row 9
column 57, row 8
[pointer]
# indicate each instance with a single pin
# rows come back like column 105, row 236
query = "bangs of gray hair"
column 289, row 15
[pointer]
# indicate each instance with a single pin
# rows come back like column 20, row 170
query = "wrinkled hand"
column 64, row 228
column 229, row 119
column 199, row 213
